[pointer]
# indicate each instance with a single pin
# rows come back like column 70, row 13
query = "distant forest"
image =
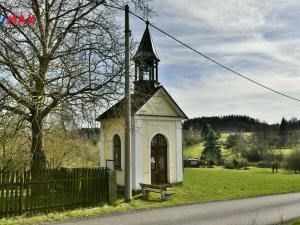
column 235, row 123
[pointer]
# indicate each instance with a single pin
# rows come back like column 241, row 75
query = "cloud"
column 222, row 94
column 257, row 38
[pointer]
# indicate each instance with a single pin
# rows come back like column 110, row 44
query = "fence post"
column 21, row 192
column 111, row 187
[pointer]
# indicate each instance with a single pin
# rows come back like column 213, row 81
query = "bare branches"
column 69, row 62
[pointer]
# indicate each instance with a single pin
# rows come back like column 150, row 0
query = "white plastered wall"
column 146, row 128
column 110, row 128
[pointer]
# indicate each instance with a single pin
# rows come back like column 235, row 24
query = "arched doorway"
column 159, row 167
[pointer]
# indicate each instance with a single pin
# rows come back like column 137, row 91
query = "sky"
column 260, row 39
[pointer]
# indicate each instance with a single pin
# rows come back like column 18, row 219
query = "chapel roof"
column 137, row 102
column 146, row 48
column 117, row 110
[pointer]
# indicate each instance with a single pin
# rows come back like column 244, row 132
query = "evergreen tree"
column 205, row 130
column 283, row 133
column 231, row 123
column 212, row 147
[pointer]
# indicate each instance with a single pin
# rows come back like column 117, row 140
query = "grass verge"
column 200, row 185
column 296, row 222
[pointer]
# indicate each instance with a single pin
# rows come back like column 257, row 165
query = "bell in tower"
column 146, row 65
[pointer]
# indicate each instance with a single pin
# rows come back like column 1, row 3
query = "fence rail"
column 52, row 189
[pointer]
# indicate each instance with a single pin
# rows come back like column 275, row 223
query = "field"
column 194, row 151
column 200, row 185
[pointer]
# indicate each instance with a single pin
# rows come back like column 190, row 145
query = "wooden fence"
column 51, row 190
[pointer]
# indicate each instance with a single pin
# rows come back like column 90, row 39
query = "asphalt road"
column 254, row 211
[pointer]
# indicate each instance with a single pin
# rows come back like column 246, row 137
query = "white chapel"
column 156, row 127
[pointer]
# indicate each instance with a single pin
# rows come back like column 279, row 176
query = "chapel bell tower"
column 146, row 65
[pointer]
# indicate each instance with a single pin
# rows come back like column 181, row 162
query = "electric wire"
column 207, row 57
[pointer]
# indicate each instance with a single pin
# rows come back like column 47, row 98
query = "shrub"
column 211, row 163
column 253, row 155
column 202, row 163
column 264, row 164
column 273, row 156
column 228, row 165
column 292, row 161
column 236, row 164
column 243, row 163
column 220, row 162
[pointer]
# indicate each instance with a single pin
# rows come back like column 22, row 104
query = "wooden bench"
column 162, row 189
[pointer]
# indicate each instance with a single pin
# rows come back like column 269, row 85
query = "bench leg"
column 165, row 197
column 145, row 194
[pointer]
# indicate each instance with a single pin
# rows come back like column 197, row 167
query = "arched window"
column 117, row 152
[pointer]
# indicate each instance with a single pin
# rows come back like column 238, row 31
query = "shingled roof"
column 137, row 102
column 146, row 48
column 117, row 110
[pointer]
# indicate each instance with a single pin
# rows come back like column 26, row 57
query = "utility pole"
column 128, row 183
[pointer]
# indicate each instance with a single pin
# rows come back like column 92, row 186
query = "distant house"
column 156, row 126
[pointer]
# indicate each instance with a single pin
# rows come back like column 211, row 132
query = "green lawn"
column 193, row 151
column 200, row 185
column 221, row 184
column 295, row 223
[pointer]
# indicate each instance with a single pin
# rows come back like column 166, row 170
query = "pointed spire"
column 146, row 50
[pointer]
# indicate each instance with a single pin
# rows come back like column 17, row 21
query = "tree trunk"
column 37, row 146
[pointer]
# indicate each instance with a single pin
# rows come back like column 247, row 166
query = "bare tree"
column 69, row 60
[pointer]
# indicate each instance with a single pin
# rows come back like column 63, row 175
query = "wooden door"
column 159, row 165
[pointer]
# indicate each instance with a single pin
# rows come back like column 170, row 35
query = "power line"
column 209, row 58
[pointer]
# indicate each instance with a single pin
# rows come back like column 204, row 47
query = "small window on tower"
column 146, row 75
